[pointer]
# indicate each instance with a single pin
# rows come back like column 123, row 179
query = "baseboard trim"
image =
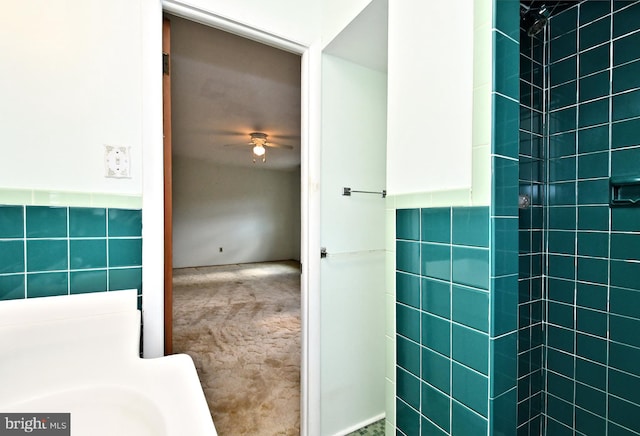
column 361, row 424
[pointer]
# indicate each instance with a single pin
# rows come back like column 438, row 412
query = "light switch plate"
column 116, row 162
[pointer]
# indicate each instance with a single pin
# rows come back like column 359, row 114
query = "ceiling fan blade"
column 286, row 137
column 238, row 144
column 285, row 146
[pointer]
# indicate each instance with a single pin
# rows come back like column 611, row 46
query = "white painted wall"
column 301, row 21
column 252, row 213
column 71, row 81
column 430, row 96
column 353, row 231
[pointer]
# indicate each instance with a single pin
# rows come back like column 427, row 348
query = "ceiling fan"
column 259, row 143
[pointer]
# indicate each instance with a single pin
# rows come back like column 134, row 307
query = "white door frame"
column 153, row 303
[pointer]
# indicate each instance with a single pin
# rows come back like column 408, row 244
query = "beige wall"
column 252, row 213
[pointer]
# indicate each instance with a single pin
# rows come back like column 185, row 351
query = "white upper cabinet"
column 430, row 96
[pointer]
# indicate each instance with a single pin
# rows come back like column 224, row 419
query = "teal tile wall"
column 531, row 179
column 516, row 132
column 593, row 261
column 46, row 251
column 453, row 366
column 578, row 259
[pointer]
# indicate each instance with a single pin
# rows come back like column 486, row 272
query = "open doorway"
column 236, row 223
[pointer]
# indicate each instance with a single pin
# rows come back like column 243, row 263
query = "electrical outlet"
column 116, row 162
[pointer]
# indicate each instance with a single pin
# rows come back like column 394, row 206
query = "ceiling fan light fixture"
column 259, row 140
column 259, row 150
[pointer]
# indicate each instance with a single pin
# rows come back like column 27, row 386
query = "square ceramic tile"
column 470, row 307
column 595, row 33
column 87, row 281
column 591, row 373
column 436, row 370
column 626, row 77
column 593, row 139
column 470, row 348
column 408, row 388
column 563, row 46
column 560, row 386
column 593, row 113
column 124, row 222
column 594, row 86
column 435, row 406
column 87, row 253
column 466, row 422
column 591, row 296
column 625, row 133
column 12, row 256
column 436, row 297
column 436, row 225
column 408, row 289
column 505, row 72
column 470, row 226
column 408, row 322
column 561, row 339
column 436, row 334
column 591, row 399
column 591, row 11
column 594, row 60
column 46, row 255
column 11, row 222
column 47, row 284
column 503, row 412
column 470, row 266
column 505, row 128
column 561, row 411
column 87, row 222
column 125, row 278
column 560, row 362
column 624, row 162
column 12, row 286
column 408, row 355
column 626, row 20
column 408, row 256
column 624, row 330
column 436, row 261
column 563, row 71
column 506, row 17
column 408, row 224
column 563, row 95
column 625, row 274
column 591, row 348
column 46, row 222
column 503, row 374
column 587, row 422
column 624, row 358
column 626, row 105
column 407, row 418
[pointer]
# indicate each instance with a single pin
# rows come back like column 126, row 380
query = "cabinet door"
column 430, row 96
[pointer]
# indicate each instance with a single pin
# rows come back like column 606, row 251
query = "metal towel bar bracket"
column 348, row 191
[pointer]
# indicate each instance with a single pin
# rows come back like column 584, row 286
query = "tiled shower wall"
column 456, row 340
column 442, row 313
column 593, row 308
column 46, row 251
column 531, row 235
column 457, row 284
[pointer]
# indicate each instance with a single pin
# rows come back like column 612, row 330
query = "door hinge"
column 165, row 63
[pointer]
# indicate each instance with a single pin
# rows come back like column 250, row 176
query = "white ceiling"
column 365, row 40
column 224, row 87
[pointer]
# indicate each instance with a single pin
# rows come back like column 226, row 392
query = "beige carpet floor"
column 241, row 326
